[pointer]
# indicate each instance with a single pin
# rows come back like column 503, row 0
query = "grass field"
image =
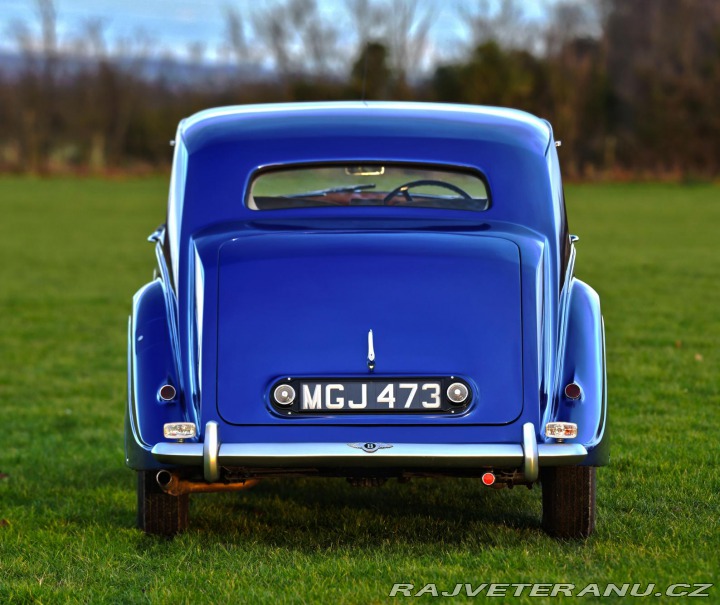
column 72, row 253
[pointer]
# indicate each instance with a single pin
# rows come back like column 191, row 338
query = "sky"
column 176, row 24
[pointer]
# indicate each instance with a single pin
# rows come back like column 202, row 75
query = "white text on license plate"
column 372, row 396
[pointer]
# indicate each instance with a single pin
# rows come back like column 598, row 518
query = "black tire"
column 568, row 495
column 159, row 513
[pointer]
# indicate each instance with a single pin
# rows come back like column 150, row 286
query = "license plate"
column 396, row 395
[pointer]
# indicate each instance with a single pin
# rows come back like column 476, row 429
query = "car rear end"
column 389, row 351
column 369, row 320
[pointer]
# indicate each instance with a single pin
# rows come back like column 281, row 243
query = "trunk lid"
column 301, row 304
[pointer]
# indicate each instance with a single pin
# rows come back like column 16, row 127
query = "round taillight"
column 573, row 391
column 488, row 478
column 167, row 392
column 457, row 392
column 284, row 394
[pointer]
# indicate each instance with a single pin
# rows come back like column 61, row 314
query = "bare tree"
column 408, row 36
column 274, row 32
column 569, row 21
column 235, row 39
column 318, row 37
column 36, row 85
column 401, row 26
column 196, row 52
column 368, row 18
column 92, row 121
column 48, row 23
column 90, row 43
column 663, row 64
column 504, row 22
column 297, row 36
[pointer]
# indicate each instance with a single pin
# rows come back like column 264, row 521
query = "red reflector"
column 167, row 392
column 573, row 391
column 488, row 478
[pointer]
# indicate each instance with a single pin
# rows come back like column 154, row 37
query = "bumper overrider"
column 527, row 456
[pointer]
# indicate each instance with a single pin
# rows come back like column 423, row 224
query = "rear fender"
column 583, row 362
column 152, row 362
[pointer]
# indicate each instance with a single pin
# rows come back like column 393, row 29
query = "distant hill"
column 168, row 69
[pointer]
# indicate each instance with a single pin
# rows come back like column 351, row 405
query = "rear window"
column 368, row 185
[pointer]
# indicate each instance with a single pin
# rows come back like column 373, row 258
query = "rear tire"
column 158, row 513
column 568, row 495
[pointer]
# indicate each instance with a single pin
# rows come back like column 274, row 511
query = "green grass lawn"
column 72, row 253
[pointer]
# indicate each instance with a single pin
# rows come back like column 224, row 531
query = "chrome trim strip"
column 561, row 454
column 531, row 468
column 401, row 455
column 291, row 455
column 562, row 317
column 179, row 453
column 211, row 449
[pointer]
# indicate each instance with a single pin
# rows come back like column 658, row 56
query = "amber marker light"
column 561, row 430
column 179, row 430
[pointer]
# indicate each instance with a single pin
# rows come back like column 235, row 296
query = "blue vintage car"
column 371, row 291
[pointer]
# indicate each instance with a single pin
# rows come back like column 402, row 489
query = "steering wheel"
column 429, row 182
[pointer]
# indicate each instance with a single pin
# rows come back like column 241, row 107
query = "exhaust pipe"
column 173, row 485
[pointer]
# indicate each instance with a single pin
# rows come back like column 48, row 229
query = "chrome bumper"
column 528, row 456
